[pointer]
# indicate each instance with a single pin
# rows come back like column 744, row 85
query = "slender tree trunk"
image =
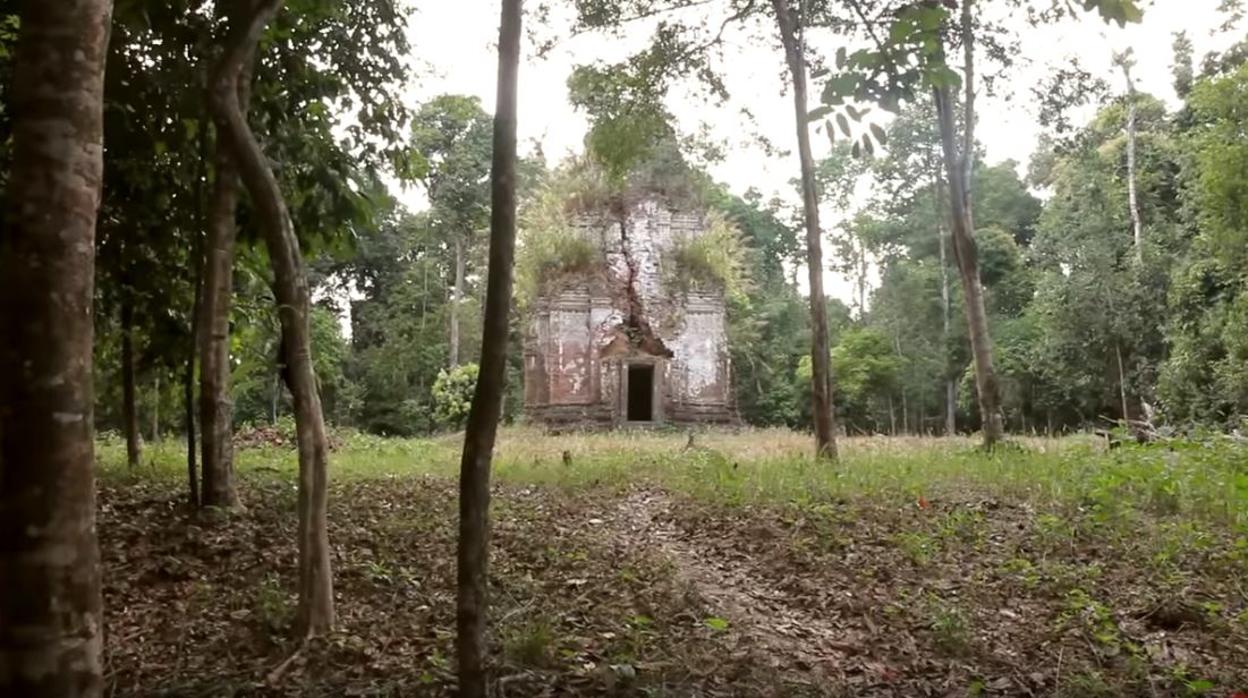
column 275, row 395
column 188, row 401
column 1122, row 386
column 487, row 400
column 50, row 607
column 905, row 412
column 862, row 279
column 197, row 285
column 951, row 406
column 905, row 405
column 951, row 384
column 950, row 381
column 290, row 287
column 156, row 410
column 1137, row 224
column 964, row 252
column 216, row 409
column 424, row 296
column 821, row 371
column 968, row 95
column 457, row 296
column 129, row 409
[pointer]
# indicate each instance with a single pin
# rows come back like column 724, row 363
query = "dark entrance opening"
column 640, row 393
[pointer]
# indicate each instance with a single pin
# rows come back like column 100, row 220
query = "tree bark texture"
column 50, row 606
column 946, row 305
column 967, row 27
column 188, row 401
column 156, row 409
column 487, row 399
column 197, row 302
column 966, row 256
column 959, row 168
column 129, row 409
column 1122, row 386
column 820, row 358
column 1137, row 223
column 457, row 296
column 951, row 383
column 290, row 287
column 216, row 408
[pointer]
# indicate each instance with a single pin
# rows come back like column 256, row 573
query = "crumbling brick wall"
column 584, row 328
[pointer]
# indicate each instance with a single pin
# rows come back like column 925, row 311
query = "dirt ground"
column 637, row 591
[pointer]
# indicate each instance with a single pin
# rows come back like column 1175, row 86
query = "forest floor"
column 638, row 564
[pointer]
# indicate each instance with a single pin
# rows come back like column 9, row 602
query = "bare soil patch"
column 602, row 591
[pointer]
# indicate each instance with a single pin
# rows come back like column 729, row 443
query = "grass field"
column 643, row 563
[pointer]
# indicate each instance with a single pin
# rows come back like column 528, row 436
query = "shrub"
column 716, row 258
column 452, row 394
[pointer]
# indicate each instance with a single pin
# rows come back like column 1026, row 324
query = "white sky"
column 455, row 43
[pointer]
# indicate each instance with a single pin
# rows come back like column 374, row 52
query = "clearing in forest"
column 643, row 564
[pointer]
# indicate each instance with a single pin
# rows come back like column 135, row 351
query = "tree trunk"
column 951, row 406
column 156, row 410
column 1122, row 386
column 129, row 410
column 964, row 252
column 424, row 296
column 487, row 399
column 905, row 412
column 862, row 280
column 457, row 295
column 905, row 405
column 951, row 384
column 290, row 287
column 1137, row 224
column 275, row 395
column 821, row 372
column 197, row 298
column 188, row 401
column 216, row 409
column 50, row 607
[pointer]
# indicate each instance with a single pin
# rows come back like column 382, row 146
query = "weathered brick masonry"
column 625, row 341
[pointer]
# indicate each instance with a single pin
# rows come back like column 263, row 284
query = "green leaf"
column 844, row 124
column 840, row 86
column 818, row 112
column 716, row 624
column 880, row 136
column 1200, row 687
column 930, row 18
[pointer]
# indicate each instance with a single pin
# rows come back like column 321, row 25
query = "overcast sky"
column 453, row 43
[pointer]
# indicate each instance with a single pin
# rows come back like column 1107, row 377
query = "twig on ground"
column 280, row 670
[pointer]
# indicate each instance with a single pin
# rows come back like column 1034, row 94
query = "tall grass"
column 1207, row 480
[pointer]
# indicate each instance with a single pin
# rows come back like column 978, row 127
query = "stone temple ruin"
column 626, row 339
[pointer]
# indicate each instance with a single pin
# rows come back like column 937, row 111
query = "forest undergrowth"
column 726, row 564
